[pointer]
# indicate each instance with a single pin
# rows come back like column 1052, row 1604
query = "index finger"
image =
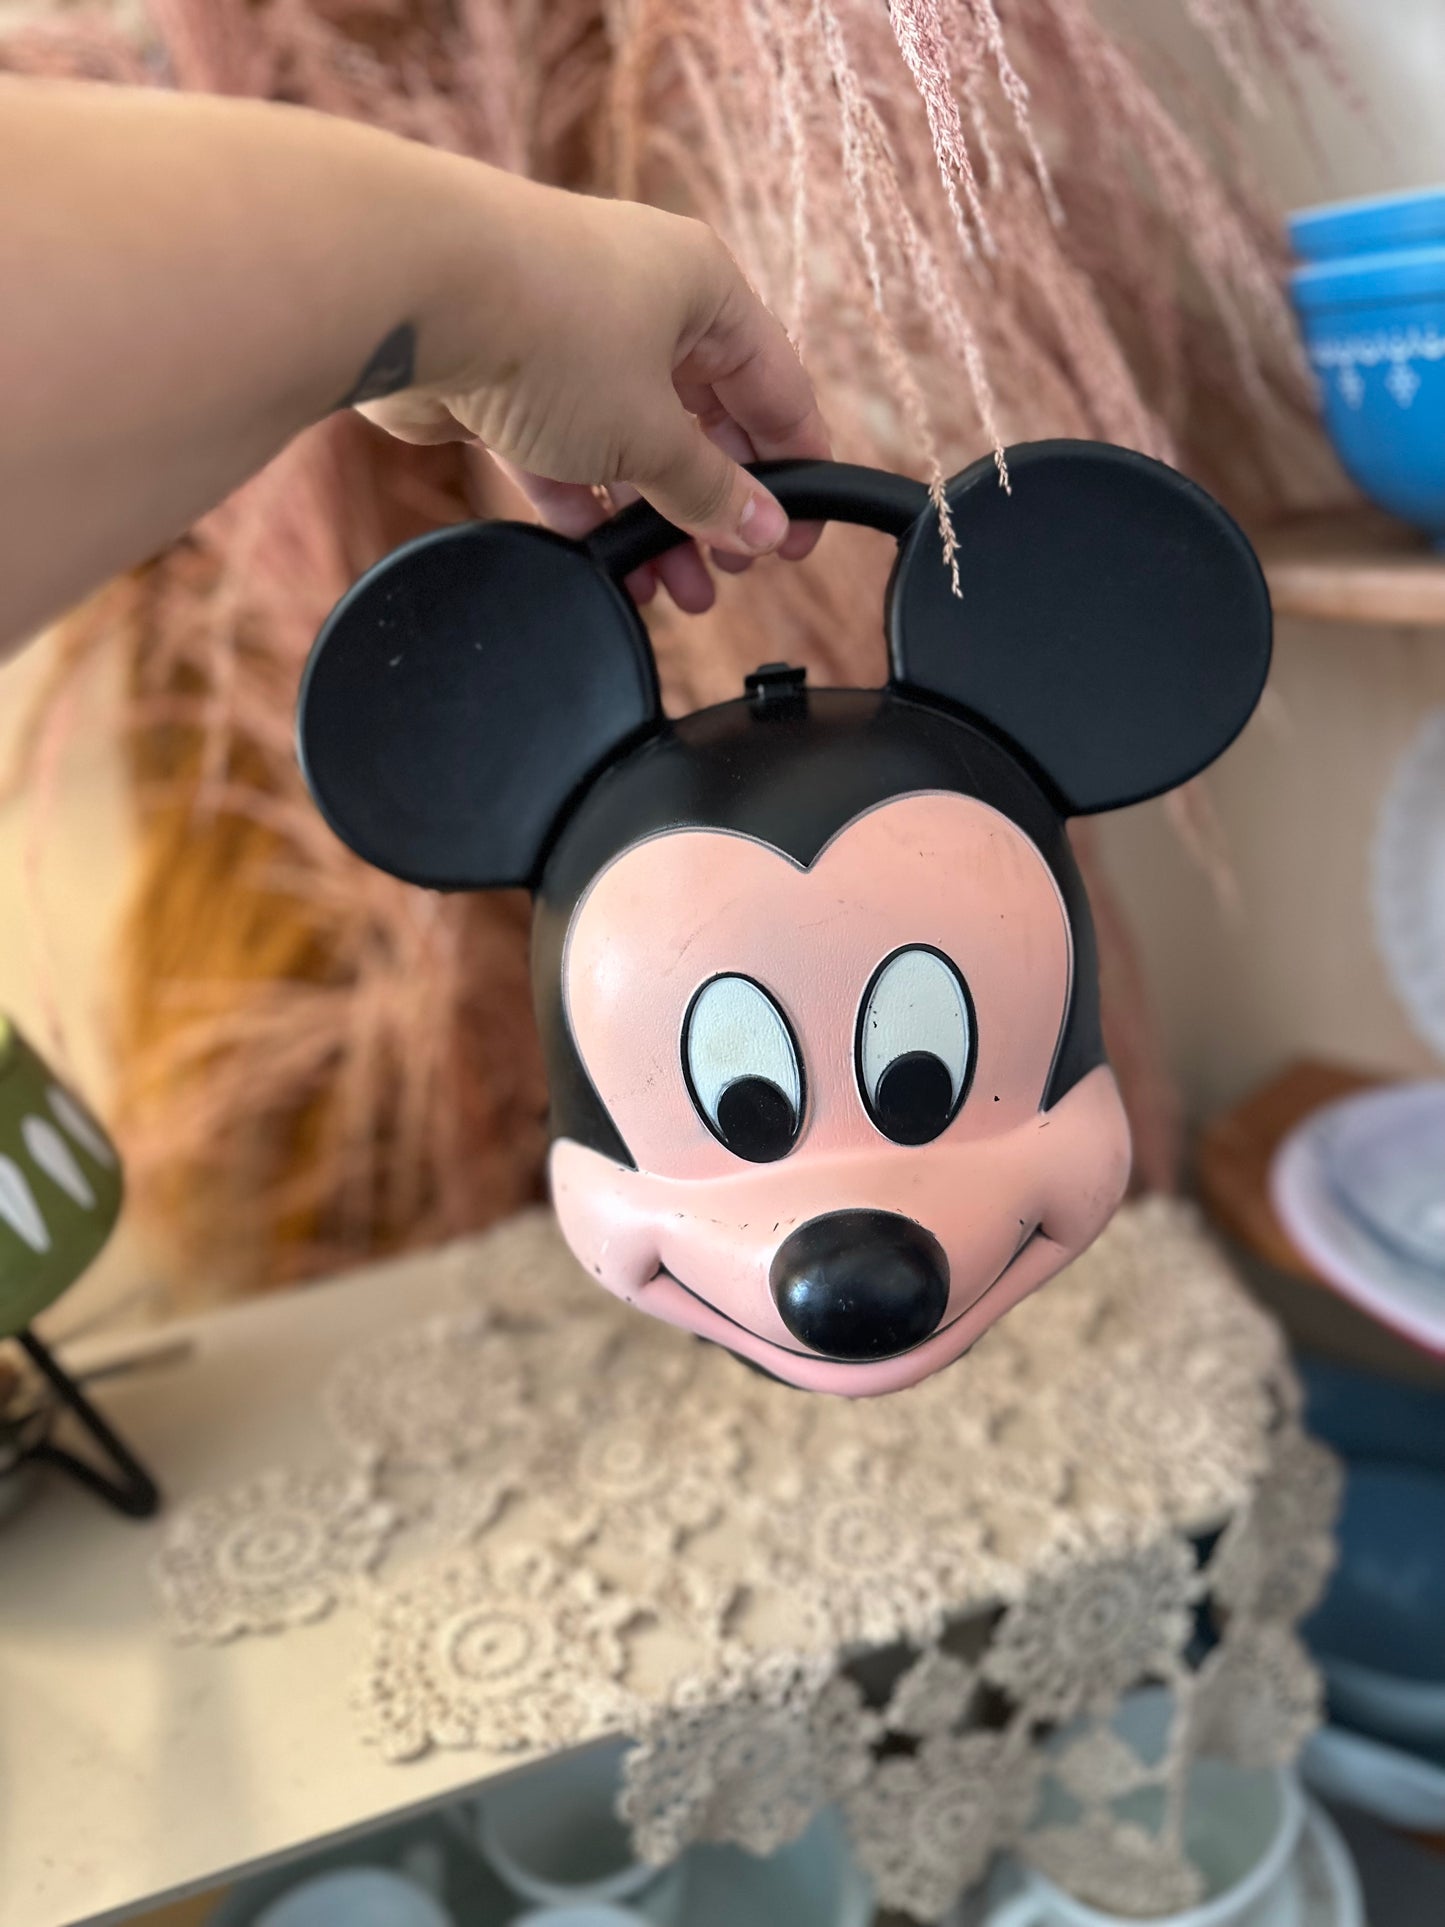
column 746, row 358
column 765, row 391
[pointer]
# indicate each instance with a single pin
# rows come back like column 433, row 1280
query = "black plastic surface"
column 461, row 694
column 1114, row 623
column 1113, row 633
column 482, row 710
column 860, row 1285
column 871, row 498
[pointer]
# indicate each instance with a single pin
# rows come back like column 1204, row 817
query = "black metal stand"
column 133, row 1491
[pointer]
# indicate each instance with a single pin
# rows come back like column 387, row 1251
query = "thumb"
column 695, row 485
column 414, row 416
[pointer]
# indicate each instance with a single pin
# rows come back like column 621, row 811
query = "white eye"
column 742, row 1068
column 915, row 1045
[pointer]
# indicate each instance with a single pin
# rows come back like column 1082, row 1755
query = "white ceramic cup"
column 356, row 1897
column 1241, row 1829
column 553, row 1834
column 588, row 1914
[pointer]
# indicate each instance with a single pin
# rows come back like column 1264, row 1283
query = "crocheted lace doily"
column 898, row 1605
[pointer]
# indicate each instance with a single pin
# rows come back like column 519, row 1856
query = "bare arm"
column 186, row 282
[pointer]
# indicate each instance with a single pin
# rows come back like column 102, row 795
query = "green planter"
column 60, row 1195
column 60, row 1185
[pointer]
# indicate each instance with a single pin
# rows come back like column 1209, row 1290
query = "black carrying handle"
column 808, row 491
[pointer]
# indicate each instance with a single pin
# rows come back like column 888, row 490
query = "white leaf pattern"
column 56, row 1159
column 1399, row 351
column 76, row 1124
column 18, row 1207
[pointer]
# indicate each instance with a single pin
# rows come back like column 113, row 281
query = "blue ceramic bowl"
column 1378, row 225
column 1374, row 327
column 1379, row 1634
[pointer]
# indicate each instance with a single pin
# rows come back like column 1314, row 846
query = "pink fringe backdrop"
column 983, row 221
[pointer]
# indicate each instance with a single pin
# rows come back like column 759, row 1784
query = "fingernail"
column 762, row 524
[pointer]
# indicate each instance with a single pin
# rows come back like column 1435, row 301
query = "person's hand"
column 253, row 267
column 619, row 349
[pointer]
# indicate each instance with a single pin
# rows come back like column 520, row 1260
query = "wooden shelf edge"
column 1356, row 566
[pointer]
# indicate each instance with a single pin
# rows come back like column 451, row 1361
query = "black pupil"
column 755, row 1120
column 915, row 1098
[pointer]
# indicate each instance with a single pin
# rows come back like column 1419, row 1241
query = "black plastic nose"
column 860, row 1284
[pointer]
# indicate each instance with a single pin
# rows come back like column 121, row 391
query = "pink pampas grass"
column 984, row 220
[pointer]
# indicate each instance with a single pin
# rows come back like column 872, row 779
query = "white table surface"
column 132, row 1769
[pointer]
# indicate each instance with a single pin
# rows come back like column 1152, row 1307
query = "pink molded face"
column 695, row 1234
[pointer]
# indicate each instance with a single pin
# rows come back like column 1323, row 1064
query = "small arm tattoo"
column 392, row 366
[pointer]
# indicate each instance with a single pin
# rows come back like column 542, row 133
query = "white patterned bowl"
column 1374, row 326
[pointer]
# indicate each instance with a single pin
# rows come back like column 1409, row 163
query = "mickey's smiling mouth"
column 1029, row 1238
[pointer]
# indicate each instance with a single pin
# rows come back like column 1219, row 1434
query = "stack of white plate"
column 1408, row 881
column 1359, row 1187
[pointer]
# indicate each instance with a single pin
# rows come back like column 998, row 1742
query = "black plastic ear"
column 1114, row 623
column 461, row 694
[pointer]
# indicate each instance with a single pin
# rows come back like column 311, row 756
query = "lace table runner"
column 562, row 1520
